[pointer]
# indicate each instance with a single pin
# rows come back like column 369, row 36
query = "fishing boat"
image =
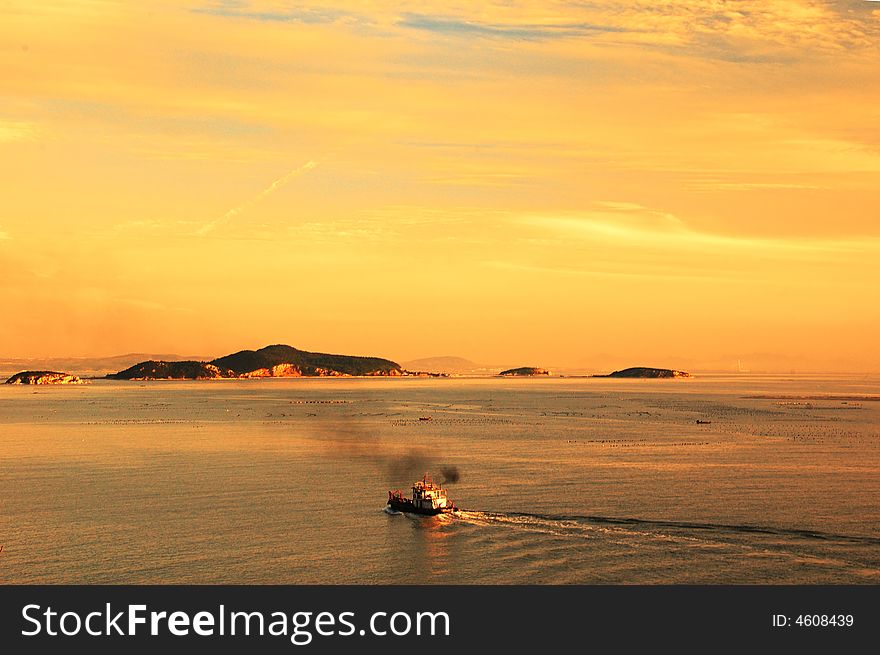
column 428, row 498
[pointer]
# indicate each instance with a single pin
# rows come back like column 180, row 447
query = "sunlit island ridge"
column 43, row 377
column 645, row 372
column 524, row 371
column 269, row 362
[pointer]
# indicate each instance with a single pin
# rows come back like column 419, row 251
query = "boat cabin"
column 427, row 495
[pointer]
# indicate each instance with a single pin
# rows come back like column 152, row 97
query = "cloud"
column 16, row 131
column 303, row 15
column 235, row 211
column 479, row 179
column 629, row 225
column 715, row 185
column 746, row 31
column 596, row 271
column 520, row 31
column 620, row 206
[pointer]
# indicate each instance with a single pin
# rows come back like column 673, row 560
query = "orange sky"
column 526, row 182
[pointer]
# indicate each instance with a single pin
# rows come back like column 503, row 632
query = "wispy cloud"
column 746, row 31
column 595, row 271
column 718, row 185
column 235, row 211
column 480, row 179
column 16, row 131
column 304, row 15
column 521, row 31
column 629, row 225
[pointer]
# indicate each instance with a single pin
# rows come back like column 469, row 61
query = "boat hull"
column 407, row 505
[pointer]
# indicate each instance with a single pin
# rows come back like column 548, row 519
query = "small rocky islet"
column 645, row 372
column 43, row 377
column 524, row 371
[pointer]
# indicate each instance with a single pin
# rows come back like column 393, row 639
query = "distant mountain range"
column 272, row 361
column 450, row 366
column 90, row 365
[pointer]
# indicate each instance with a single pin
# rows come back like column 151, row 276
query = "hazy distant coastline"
column 89, row 366
column 440, row 366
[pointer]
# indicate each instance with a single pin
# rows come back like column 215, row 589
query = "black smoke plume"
column 398, row 462
column 449, row 474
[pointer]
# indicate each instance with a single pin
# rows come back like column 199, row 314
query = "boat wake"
column 571, row 524
column 566, row 547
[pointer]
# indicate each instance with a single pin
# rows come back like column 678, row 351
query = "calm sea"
column 561, row 481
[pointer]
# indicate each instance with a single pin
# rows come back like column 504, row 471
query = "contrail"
column 235, row 211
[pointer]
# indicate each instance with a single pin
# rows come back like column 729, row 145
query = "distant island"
column 43, row 377
column 524, row 371
column 645, row 372
column 272, row 361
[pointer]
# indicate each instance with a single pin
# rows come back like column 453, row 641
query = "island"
column 645, row 372
column 270, row 362
column 43, row 377
column 524, row 371
column 162, row 370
